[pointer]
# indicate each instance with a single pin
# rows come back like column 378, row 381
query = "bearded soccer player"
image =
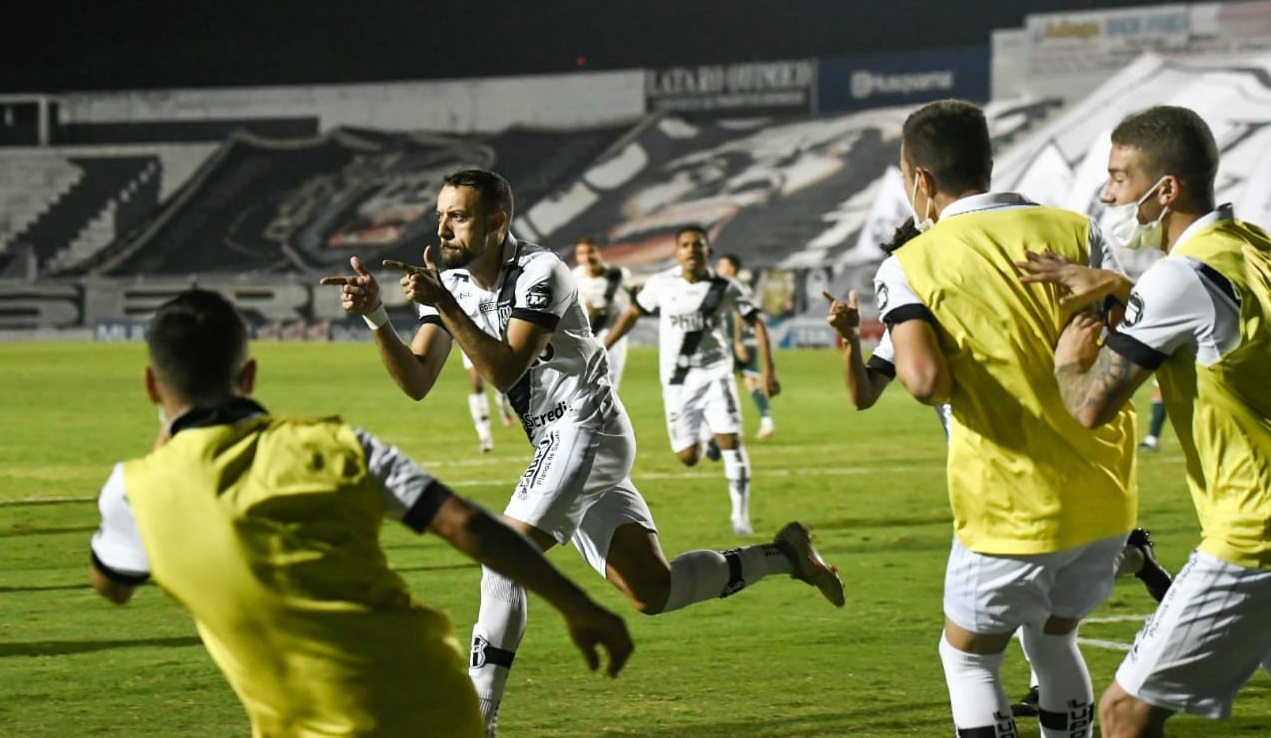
column 513, row 308
column 1198, row 319
column 266, row 530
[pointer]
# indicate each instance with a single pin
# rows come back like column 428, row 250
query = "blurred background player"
column 696, row 360
column 266, row 530
column 1156, row 423
column 746, row 350
column 605, row 294
column 479, row 406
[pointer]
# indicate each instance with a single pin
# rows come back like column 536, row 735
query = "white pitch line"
column 1100, row 643
column 1117, row 619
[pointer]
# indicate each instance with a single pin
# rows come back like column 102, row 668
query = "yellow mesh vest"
column 1024, row 477
column 1222, row 412
column 267, row 532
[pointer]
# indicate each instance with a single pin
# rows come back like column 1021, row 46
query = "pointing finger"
column 337, row 280
column 831, row 298
column 428, row 262
column 403, row 267
column 357, row 267
column 853, row 300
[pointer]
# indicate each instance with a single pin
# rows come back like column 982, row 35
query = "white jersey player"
column 513, row 308
column 602, row 290
column 696, row 360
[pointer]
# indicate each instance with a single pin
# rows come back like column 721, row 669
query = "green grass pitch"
column 775, row 660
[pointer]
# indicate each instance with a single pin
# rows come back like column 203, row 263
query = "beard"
column 455, row 257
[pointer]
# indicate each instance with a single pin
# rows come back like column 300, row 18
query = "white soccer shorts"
column 991, row 594
column 1205, row 640
column 704, row 397
column 578, row 485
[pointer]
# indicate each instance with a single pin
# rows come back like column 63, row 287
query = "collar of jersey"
column 509, row 248
column 985, row 201
column 231, row 411
column 1217, row 215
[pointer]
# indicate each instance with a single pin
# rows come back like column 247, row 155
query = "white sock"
column 495, row 638
column 1067, row 697
column 1129, row 561
column 697, row 576
column 737, row 471
column 1023, row 647
column 479, row 407
column 975, row 692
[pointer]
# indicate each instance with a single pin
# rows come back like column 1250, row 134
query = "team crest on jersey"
column 1133, row 311
column 881, row 290
column 539, row 296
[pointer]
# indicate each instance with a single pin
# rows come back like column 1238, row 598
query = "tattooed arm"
column 1094, row 380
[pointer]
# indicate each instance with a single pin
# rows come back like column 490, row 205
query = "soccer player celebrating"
column 866, row 381
column 1199, row 319
column 513, row 308
column 696, row 366
column 746, row 352
column 1041, row 505
column 603, row 293
column 266, row 530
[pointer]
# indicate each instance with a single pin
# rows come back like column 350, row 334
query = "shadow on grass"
column 439, row 567
column 64, row 648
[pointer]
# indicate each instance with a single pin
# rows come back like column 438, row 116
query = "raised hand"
column 1081, row 286
column 593, row 627
column 359, row 294
column 844, row 317
column 421, row 284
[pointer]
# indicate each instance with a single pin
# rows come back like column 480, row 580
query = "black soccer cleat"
column 1153, row 575
column 1027, row 706
column 713, row 451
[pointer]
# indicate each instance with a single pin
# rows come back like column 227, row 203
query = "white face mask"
column 924, row 223
column 1122, row 221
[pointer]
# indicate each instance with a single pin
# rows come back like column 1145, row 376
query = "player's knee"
column 688, row 456
column 650, row 591
column 1117, row 714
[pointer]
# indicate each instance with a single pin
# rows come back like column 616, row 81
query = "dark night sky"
column 68, row 45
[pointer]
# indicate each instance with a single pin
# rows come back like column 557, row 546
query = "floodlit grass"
column 775, row 660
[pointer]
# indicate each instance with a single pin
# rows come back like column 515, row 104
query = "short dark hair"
column 197, row 343
column 693, row 229
column 587, row 241
column 950, row 139
column 495, row 192
column 1175, row 141
column 731, row 259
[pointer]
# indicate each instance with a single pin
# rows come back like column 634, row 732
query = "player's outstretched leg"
column 1139, row 558
column 636, row 566
column 497, row 634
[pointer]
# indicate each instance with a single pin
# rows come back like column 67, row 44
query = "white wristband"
column 376, row 318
